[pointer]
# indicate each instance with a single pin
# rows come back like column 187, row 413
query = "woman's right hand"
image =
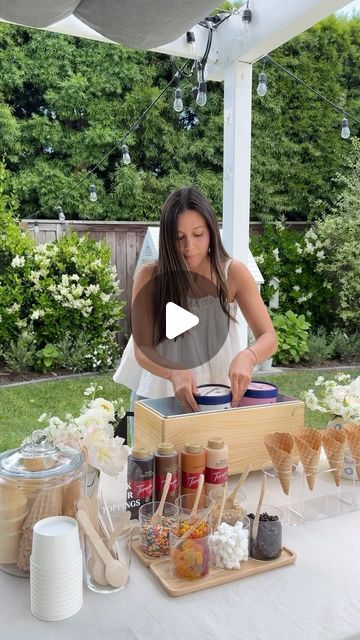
column 184, row 385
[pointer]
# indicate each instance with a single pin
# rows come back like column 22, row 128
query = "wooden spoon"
column 116, row 572
column 197, row 497
column 230, row 500
column 222, row 505
column 255, row 526
column 117, row 530
column 156, row 518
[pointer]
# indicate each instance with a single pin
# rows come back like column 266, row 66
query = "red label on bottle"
column 216, row 476
column 141, row 488
column 174, row 484
column 190, row 480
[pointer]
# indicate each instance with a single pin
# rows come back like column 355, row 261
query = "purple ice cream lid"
column 213, row 394
column 260, row 389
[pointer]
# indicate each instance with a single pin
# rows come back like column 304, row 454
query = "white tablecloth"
column 317, row 598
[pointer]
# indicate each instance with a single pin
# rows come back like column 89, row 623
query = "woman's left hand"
column 240, row 373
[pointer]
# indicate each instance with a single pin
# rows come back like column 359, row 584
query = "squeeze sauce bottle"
column 140, row 480
column 166, row 461
column 192, row 465
column 217, row 460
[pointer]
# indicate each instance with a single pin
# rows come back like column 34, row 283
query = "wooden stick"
column 197, row 496
column 255, row 526
column 222, row 505
column 196, row 524
column 231, row 498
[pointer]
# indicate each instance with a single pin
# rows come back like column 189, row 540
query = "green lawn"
column 20, row 407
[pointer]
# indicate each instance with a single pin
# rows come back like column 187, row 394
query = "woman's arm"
column 142, row 321
column 243, row 287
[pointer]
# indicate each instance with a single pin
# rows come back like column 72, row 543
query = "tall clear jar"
column 37, row 480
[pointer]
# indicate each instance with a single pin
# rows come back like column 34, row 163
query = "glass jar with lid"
column 37, row 480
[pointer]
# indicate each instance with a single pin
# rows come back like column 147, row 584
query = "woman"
column 192, row 260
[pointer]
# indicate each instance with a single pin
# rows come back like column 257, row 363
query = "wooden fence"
column 125, row 240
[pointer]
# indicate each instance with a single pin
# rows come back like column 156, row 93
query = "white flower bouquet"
column 339, row 397
column 92, row 432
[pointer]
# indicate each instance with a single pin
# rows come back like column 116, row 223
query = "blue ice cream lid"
column 260, row 389
column 213, row 394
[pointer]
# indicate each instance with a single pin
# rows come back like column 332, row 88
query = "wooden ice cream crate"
column 243, row 428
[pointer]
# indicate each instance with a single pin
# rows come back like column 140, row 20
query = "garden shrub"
column 293, row 257
column 340, row 234
column 320, row 347
column 64, row 291
column 292, row 335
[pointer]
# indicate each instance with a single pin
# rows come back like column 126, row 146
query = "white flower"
column 276, row 254
column 42, row 417
column 320, row 255
column 259, row 259
column 18, row 261
column 298, row 270
column 104, row 406
column 38, row 313
column 89, row 391
column 302, row 299
column 296, row 287
column 337, row 399
column 14, row 308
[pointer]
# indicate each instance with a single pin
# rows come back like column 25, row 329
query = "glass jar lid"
column 39, row 458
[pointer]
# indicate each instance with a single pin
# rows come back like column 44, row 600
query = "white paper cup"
column 56, row 542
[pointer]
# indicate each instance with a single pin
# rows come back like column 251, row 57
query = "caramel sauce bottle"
column 192, row 465
column 166, row 461
column 217, row 460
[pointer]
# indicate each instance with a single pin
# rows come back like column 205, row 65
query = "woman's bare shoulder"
column 145, row 273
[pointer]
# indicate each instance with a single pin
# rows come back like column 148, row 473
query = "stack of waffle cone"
column 71, row 494
column 280, row 448
column 47, row 503
column 334, row 442
column 308, row 442
column 353, row 438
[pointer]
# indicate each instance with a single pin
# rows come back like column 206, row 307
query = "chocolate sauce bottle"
column 166, row 461
column 140, row 480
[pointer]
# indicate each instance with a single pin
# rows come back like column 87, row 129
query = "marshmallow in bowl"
column 229, row 545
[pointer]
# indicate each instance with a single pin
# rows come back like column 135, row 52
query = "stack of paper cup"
column 56, row 583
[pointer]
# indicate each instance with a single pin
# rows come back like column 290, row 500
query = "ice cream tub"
column 211, row 397
column 259, row 392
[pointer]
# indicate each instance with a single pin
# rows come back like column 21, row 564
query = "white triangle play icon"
column 178, row 320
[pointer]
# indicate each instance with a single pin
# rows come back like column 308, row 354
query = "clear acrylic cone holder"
column 314, row 493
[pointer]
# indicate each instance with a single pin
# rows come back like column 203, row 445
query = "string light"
column 190, row 40
column 178, row 103
column 60, row 213
column 92, row 193
column 201, row 98
column 125, row 154
column 246, row 15
column 345, row 129
column 262, row 86
column 36, row 227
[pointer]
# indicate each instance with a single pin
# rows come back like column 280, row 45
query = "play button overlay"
column 180, row 332
column 178, row 320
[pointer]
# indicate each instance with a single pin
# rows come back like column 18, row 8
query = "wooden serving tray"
column 176, row 587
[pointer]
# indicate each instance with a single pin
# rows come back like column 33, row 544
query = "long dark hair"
column 174, row 281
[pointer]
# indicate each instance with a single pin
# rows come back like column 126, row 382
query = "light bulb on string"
column 201, row 97
column 36, row 227
column 345, row 129
column 246, row 17
column 125, row 154
column 92, row 193
column 60, row 213
column 262, row 86
column 178, row 103
column 190, row 40
column 22, row 232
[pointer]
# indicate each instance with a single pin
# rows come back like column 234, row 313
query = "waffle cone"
column 47, row 503
column 353, row 438
column 71, row 494
column 280, row 448
column 308, row 442
column 334, row 442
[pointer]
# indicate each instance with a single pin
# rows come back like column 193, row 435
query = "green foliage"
column 58, row 293
column 346, row 347
column 293, row 257
column 320, row 347
column 340, row 235
column 20, row 354
column 47, row 357
column 292, row 335
column 59, row 115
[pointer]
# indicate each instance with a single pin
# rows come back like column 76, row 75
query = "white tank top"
column 215, row 371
